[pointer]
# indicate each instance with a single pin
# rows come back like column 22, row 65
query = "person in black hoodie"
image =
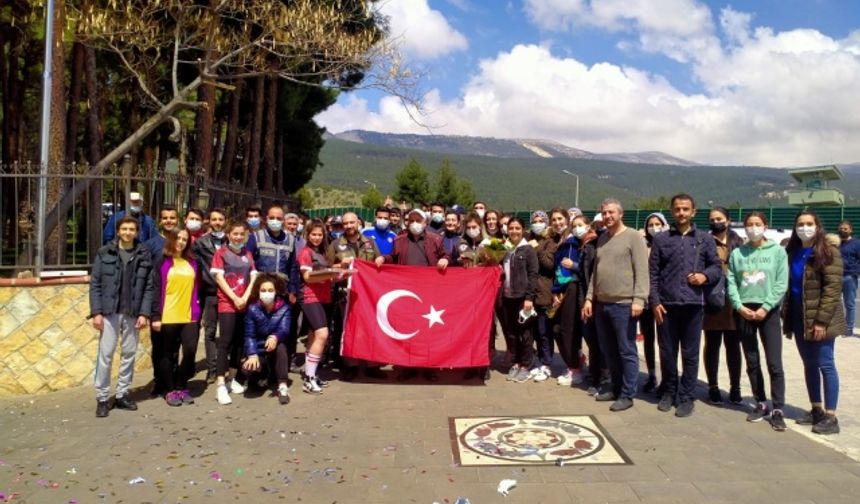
column 519, row 290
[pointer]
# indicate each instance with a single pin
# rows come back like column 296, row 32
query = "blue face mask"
column 336, row 234
column 236, row 247
column 275, row 225
column 135, row 209
column 254, row 222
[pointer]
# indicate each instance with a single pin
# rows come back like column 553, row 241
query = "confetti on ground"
column 505, row 486
column 136, row 481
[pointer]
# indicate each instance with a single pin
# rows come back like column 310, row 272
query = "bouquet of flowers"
column 492, row 251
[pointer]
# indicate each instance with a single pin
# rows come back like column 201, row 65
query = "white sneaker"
column 283, row 394
column 236, row 387
column 576, row 377
column 310, row 385
column 223, row 396
column 565, row 379
column 543, row 374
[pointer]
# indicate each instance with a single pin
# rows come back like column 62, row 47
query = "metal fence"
column 78, row 234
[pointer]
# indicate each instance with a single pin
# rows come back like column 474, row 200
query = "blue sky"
column 753, row 82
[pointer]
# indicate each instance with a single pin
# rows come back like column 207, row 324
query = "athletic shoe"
column 310, row 385
column 714, row 396
column 486, row 374
column 173, row 398
column 211, row 376
column 650, row 385
column 811, row 417
column 735, row 397
column 759, row 413
column 605, row 397
column 515, row 369
column 223, row 395
column 102, row 409
column 283, row 394
column 621, row 404
column 124, row 402
column 684, row 409
column 186, row 397
column 665, row 403
column 236, row 387
column 565, row 379
column 777, row 421
column 829, row 425
column 543, row 373
column 521, row 376
column 576, row 376
column 320, row 382
column 592, row 391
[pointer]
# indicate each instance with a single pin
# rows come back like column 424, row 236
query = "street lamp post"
column 576, row 195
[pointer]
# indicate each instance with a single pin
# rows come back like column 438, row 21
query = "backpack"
column 715, row 294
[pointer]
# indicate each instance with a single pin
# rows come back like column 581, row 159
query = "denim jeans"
column 771, row 339
column 545, row 337
column 818, row 363
column 849, row 298
column 681, row 330
column 616, row 331
column 118, row 329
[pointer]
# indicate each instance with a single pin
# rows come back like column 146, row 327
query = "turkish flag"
column 420, row 317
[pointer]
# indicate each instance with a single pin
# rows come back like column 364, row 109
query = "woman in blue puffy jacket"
column 267, row 325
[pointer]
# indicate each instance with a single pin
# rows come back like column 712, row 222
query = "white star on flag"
column 435, row 316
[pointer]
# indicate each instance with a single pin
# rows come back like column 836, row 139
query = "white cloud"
column 422, row 32
column 770, row 98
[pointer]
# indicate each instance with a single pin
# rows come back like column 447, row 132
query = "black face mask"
column 844, row 235
column 717, row 227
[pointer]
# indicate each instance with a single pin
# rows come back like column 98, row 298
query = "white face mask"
column 805, row 233
column 655, row 230
column 480, row 213
column 538, row 227
column 580, row 231
column 193, row 225
column 755, row 233
column 437, row 217
column 267, row 297
column 218, row 234
column 416, row 228
column 382, row 224
column 473, row 232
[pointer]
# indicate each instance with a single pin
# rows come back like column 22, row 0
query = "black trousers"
column 519, row 337
column 210, row 326
column 231, row 327
column 276, row 362
column 570, row 327
column 649, row 333
column 172, row 373
column 681, row 329
column 713, row 341
column 771, row 339
column 156, row 354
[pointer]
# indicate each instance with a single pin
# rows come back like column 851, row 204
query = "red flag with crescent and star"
column 420, row 317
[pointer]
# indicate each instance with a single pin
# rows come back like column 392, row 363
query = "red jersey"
column 237, row 269
column 314, row 292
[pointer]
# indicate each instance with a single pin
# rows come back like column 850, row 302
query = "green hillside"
column 512, row 184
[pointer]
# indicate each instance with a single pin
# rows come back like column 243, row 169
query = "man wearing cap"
column 135, row 209
column 381, row 232
column 417, row 247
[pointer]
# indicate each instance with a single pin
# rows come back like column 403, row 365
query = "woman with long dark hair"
column 813, row 315
column 176, row 316
column 492, row 226
column 317, row 304
column 518, row 294
column 546, row 250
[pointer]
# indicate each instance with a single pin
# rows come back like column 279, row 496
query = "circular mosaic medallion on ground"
column 538, row 440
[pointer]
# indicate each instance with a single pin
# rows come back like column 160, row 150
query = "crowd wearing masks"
column 585, row 289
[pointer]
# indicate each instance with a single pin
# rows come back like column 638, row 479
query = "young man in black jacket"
column 121, row 294
column 204, row 249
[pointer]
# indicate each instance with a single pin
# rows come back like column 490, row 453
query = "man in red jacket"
column 417, row 247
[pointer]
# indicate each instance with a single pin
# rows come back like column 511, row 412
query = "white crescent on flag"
column 382, row 313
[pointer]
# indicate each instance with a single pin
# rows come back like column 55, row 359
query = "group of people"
column 567, row 283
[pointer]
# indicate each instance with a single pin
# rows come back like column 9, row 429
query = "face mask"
column 755, row 233
column 473, row 232
column 336, row 234
column 580, row 231
column 275, row 225
column 267, row 297
column 805, row 233
column 538, row 228
column 437, row 217
column 416, row 228
column 655, row 230
column 193, row 225
column 504, row 229
column 218, row 234
column 480, row 213
column 382, row 224
column 844, row 235
column 236, row 247
column 717, row 227
column 135, row 209
column 254, row 222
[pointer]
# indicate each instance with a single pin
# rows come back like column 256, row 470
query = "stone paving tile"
column 614, row 492
column 667, row 491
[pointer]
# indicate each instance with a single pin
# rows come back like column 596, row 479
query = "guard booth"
column 814, row 188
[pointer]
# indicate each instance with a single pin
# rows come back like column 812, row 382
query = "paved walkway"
column 384, row 442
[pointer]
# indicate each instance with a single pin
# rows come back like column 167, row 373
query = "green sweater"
column 757, row 275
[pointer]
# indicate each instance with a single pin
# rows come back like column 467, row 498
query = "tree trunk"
column 228, row 160
column 257, row 132
column 73, row 114
column 94, row 153
column 12, row 99
column 279, row 166
column 55, row 242
column 205, row 131
column 269, row 143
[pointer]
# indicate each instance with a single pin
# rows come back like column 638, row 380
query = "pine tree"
column 413, row 183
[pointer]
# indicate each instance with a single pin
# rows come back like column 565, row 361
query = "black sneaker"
column 735, row 396
column 211, row 376
column 777, row 421
column 621, row 404
column 605, row 397
column 102, row 409
column 811, row 417
column 714, row 396
column 665, row 403
column 829, row 425
column 485, row 374
column 684, row 409
column 124, row 402
column 650, row 385
column 759, row 413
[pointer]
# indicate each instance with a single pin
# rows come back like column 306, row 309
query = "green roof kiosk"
column 814, row 191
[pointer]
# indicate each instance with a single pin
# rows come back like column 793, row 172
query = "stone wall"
column 46, row 341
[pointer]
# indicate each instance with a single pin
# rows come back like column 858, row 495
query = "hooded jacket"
column 757, row 275
column 107, row 279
